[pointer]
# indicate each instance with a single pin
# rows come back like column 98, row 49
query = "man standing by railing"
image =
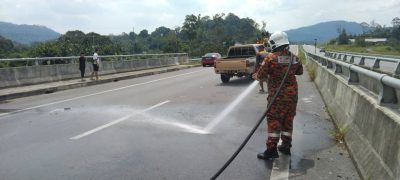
column 96, row 65
column 82, row 65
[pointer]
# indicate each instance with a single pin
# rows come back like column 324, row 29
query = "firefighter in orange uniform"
column 281, row 114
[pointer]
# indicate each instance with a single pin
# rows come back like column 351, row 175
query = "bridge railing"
column 383, row 85
column 27, row 71
column 386, row 64
column 74, row 59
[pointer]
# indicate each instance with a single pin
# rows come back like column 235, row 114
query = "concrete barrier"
column 372, row 131
column 27, row 75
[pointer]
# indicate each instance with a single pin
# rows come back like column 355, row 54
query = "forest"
column 197, row 36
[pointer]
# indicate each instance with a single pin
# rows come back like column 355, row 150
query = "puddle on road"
column 311, row 134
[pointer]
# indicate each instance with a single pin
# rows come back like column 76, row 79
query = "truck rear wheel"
column 225, row 78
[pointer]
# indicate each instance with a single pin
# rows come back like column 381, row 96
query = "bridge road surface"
column 152, row 127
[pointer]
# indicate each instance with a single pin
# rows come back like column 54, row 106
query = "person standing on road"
column 96, row 65
column 82, row 65
column 281, row 114
column 259, row 59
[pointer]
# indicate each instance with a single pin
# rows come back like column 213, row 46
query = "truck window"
column 252, row 52
column 242, row 52
column 234, row 52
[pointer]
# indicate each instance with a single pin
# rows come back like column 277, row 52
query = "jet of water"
column 230, row 107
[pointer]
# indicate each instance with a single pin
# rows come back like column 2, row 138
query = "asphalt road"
column 177, row 125
column 163, row 126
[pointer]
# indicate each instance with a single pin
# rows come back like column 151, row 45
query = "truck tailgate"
column 237, row 64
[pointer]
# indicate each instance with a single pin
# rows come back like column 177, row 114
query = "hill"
column 323, row 32
column 27, row 34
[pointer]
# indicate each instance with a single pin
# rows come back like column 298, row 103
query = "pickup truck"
column 240, row 62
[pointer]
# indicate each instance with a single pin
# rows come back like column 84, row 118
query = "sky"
column 118, row 16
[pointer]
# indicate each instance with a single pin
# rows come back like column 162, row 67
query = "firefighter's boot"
column 268, row 154
column 284, row 149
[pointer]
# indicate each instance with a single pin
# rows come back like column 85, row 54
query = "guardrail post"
column 362, row 61
column 352, row 59
column 323, row 62
column 376, row 63
column 387, row 94
column 397, row 71
column 345, row 58
column 340, row 57
column 334, row 56
column 353, row 76
column 329, row 64
column 338, row 69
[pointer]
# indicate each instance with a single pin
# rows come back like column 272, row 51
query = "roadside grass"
column 311, row 72
column 339, row 134
column 369, row 49
column 302, row 56
column 193, row 62
column 310, row 68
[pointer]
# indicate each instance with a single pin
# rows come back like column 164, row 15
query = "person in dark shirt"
column 82, row 65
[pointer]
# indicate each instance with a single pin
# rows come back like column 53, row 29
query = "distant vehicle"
column 209, row 59
column 322, row 50
column 240, row 62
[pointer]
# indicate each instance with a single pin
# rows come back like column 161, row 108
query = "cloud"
column 119, row 16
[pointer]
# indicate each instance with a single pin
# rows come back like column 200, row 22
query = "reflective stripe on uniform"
column 286, row 133
column 273, row 135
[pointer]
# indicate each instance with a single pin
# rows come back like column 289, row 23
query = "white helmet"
column 278, row 39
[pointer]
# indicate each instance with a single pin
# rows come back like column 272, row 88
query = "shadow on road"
column 237, row 82
column 7, row 110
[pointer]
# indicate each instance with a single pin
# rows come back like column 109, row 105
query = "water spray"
column 231, row 106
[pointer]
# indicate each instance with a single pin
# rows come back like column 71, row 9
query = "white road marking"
column 307, row 100
column 280, row 168
column 98, row 93
column 115, row 122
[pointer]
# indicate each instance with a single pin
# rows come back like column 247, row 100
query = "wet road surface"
column 154, row 127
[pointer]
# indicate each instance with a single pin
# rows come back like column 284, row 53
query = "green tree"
column 198, row 35
column 343, row 37
column 144, row 33
column 6, row 47
column 360, row 41
column 46, row 50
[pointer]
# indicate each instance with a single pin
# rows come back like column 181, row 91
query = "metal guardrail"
column 350, row 57
column 367, row 54
column 74, row 59
column 387, row 85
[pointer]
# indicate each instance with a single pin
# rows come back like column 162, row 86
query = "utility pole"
column 315, row 46
column 93, row 42
column 134, row 40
